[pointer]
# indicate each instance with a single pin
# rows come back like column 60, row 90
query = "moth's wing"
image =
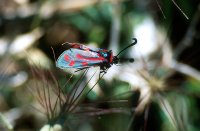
column 83, row 47
column 76, row 58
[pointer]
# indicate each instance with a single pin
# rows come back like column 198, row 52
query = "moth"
column 81, row 57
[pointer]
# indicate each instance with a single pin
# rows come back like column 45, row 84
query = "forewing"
column 76, row 58
column 83, row 47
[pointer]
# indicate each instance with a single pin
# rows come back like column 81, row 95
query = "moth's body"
column 80, row 56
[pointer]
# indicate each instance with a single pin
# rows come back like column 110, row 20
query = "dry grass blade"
column 74, row 101
column 65, row 85
column 180, row 9
column 168, row 110
column 146, row 114
column 52, row 97
column 74, row 90
column 187, row 40
column 186, row 70
column 159, row 6
column 99, row 111
column 40, row 88
column 95, row 84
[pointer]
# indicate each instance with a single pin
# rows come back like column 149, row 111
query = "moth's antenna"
column 54, row 55
column 65, row 43
column 135, row 41
column 126, row 59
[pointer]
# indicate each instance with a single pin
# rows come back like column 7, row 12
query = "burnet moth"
column 81, row 57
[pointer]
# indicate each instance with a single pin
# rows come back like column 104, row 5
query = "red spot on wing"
column 79, row 56
column 79, row 46
column 75, row 45
column 66, row 57
column 84, row 63
column 72, row 63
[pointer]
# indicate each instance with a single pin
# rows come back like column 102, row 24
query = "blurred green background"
column 159, row 91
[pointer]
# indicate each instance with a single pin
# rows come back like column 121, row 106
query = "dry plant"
column 56, row 101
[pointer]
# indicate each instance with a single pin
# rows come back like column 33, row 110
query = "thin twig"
column 171, row 115
column 67, row 96
column 81, row 92
column 180, row 9
column 187, row 39
column 96, row 112
column 76, row 86
column 146, row 114
column 160, row 9
column 185, row 69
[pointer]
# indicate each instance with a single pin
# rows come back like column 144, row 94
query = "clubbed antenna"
column 135, row 41
column 126, row 59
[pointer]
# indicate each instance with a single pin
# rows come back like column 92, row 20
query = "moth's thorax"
column 108, row 55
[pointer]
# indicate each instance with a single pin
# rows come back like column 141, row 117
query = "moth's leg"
column 81, row 69
column 102, row 72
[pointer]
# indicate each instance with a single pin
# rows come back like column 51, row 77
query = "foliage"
column 159, row 91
